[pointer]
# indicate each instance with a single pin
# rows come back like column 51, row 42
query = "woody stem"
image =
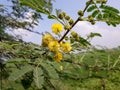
column 75, row 22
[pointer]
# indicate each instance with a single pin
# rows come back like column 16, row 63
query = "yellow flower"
column 53, row 46
column 58, row 57
column 66, row 47
column 46, row 39
column 57, row 28
column 61, row 67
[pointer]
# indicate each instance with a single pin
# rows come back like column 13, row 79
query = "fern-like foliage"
column 92, row 35
column 105, row 13
column 42, row 6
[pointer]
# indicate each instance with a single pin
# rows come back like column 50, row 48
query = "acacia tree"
column 46, row 67
column 98, row 10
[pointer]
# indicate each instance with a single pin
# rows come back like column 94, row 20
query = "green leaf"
column 76, row 72
column 38, row 78
column 56, row 65
column 95, row 13
column 52, row 17
column 17, row 73
column 29, row 3
column 84, row 41
column 106, row 15
column 50, row 70
column 18, row 60
column 101, row 73
column 91, row 35
column 113, row 24
column 112, row 9
column 91, row 8
column 38, row 5
column 109, row 12
column 83, row 72
column 99, row 16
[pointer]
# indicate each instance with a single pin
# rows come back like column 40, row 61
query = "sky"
column 110, row 35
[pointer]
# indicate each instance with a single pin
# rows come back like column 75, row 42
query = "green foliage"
column 91, row 8
column 80, row 71
column 20, row 72
column 110, row 9
column 92, row 35
column 41, row 6
column 95, row 13
column 105, row 13
column 50, row 71
column 38, row 77
column 14, row 16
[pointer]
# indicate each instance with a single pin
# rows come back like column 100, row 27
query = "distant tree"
column 14, row 16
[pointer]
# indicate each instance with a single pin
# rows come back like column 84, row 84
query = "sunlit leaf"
column 51, row 70
column 38, row 77
column 20, row 72
column 91, row 8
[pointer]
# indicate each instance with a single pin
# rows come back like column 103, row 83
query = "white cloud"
column 28, row 36
column 110, row 38
column 25, row 34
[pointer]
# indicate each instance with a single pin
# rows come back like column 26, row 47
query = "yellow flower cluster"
column 53, row 45
column 57, row 28
column 46, row 39
column 58, row 57
column 66, row 47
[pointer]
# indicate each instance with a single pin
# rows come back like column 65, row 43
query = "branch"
column 75, row 22
column 97, row 7
column 72, row 24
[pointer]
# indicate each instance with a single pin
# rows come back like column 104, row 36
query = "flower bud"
column 72, row 40
column 80, row 12
column 91, row 19
column 60, row 16
column 71, row 21
column 77, row 39
column 74, row 34
column 67, row 17
column 101, row 1
column 80, row 19
column 93, row 22
column 98, row 1
column 87, row 2
column 64, row 14
column 66, row 38
column 89, row 16
column 66, row 27
column 104, row 1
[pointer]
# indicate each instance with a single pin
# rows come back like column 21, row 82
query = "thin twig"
column 97, row 7
column 116, row 62
column 75, row 22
